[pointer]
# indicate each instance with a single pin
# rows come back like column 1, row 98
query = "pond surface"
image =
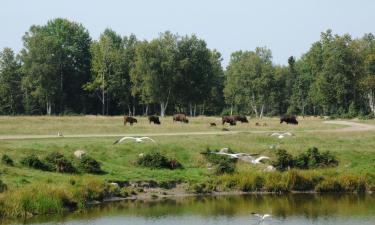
column 293, row 209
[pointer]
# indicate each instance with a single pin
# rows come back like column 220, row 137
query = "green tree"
column 10, row 83
column 154, row 70
column 250, row 80
column 194, row 72
column 108, row 69
column 56, row 62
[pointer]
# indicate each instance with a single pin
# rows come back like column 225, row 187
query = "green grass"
column 354, row 150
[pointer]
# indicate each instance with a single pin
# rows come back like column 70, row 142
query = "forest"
column 61, row 70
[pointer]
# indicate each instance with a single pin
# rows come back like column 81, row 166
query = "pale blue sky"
column 287, row 27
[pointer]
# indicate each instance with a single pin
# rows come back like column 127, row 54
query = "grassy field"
column 45, row 125
column 354, row 150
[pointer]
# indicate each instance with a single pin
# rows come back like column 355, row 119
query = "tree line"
column 62, row 70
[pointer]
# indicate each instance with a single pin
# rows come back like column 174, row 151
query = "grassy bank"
column 354, row 151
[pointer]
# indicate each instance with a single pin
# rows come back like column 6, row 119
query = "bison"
column 154, row 119
column 240, row 118
column 228, row 119
column 289, row 120
column 129, row 119
column 180, row 118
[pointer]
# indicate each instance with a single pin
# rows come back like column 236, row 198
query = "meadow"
column 353, row 149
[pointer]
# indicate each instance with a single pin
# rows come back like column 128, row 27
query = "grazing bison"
column 181, row 118
column 240, row 118
column 289, row 120
column 129, row 119
column 228, row 119
column 154, row 119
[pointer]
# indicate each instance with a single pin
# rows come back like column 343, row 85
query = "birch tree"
column 154, row 70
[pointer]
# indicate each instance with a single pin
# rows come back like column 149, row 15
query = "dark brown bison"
column 289, row 120
column 228, row 119
column 154, row 119
column 180, row 118
column 129, row 119
column 240, row 118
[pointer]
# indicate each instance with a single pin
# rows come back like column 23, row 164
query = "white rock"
column 269, row 169
column 79, row 153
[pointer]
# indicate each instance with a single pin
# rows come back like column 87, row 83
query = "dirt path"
column 351, row 127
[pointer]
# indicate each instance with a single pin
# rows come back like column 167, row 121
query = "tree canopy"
column 61, row 70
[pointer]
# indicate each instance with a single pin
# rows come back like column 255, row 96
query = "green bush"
column 314, row 159
column 7, row 160
column 310, row 159
column 60, row 163
column 156, row 160
column 88, row 164
column 284, row 160
column 223, row 164
column 33, row 161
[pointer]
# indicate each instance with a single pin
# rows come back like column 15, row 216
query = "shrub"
column 60, row 163
column 223, row 164
column 310, row 159
column 284, row 160
column 156, row 160
column 7, row 160
column 33, row 161
column 89, row 165
column 314, row 159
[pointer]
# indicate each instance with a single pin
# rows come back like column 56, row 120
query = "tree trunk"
column 191, row 110
column 231, row 110
column 163, row 107
column 261, row 112
column 195, row 110
column 133, row 110
column 146, row 111
column 371, row 98
column 202, row 109
column 49, row 108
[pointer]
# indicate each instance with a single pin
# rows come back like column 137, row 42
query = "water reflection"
column 285, row 209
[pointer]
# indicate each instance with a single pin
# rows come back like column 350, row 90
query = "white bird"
column 261, row 217
column 233, row 155
column 136, row 139
column 281, row 136
column 259, row 159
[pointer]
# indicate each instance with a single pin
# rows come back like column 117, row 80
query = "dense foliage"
column 7, row 160
column 61, row 70
column 310, row 159
column 156, row 160
column 222, row 163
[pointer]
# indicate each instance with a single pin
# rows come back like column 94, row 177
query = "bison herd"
column 231, row 120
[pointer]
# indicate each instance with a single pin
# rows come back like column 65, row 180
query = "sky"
column 287, row 27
